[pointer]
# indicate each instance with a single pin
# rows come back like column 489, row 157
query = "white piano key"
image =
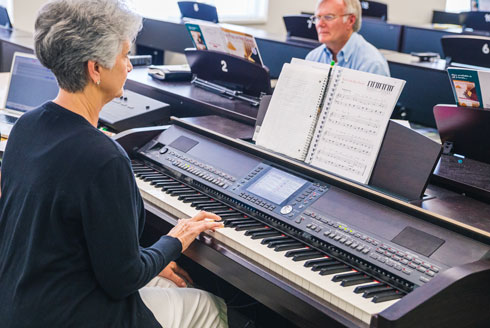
column 343, row 298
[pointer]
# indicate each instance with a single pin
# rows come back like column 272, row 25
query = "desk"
column 187, row 100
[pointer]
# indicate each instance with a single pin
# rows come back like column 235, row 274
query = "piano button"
column 371, row 287
column 269, row 240
column 388, row 296
column 343, row 276
column 288, row 246
column 373, row 292
column 335, row 269
column 248, row 226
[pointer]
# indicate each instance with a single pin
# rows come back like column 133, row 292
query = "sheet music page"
column 289, row 121
column 353, row 122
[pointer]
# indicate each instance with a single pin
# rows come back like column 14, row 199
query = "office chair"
column 467, row 49
column 197, row 10
column 374, row 9
column 476, row 20
column 444, row 17
column 300, row 26
column 4, row 18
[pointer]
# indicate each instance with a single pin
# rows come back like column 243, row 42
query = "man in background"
column 337, row 23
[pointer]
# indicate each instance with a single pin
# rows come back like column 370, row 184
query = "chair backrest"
column 197, row 10
column 467, row 49
column 300, row 26
column 4, row 18
column 444, row 17
column 374, row 9
column 476, row 20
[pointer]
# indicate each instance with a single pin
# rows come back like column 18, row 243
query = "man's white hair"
column 351, row 7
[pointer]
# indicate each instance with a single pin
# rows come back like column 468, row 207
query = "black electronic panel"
column 381, row 34
column 467, row 49
column 300, row 26
column 374, row 9
column 476, row 20
column 444, row 17
column 164, row 35
column 198, row 10
column 417, row 39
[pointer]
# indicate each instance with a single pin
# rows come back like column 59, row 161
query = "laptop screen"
column 31, row 84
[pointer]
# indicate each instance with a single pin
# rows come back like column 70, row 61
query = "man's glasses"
column 326, row 18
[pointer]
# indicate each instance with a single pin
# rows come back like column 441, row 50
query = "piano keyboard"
column 333, row 281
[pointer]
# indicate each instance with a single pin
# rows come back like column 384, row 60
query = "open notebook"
column 333, row 118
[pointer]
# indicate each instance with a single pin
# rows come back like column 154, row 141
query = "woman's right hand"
column 187, row 230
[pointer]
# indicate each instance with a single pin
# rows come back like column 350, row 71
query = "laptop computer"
column 30, row 85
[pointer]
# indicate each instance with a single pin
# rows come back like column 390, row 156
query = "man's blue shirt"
column 357, row 54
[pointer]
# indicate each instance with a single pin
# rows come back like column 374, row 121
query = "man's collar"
column 347, row 50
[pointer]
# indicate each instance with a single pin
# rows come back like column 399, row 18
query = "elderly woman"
column 70, row 213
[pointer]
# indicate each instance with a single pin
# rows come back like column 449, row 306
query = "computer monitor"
column 476, row 20
column 374, row 9
column 467, row 49
column 381, row 34
column 418, row 39
column 444, row 17
column 300, row 26
column 198, row 10
column 4, row 18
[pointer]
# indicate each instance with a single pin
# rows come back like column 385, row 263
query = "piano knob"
column 286, row 209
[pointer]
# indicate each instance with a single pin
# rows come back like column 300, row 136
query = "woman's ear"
column 93, row 69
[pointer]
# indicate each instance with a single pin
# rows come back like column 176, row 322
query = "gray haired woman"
column 70, row 212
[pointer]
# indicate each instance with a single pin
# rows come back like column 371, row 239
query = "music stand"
column 444, row 17
column 476, row 20
column 4, row 18
column 374, row 9
column 228, row 75
column 300, row 26
column 197, row 10
column 467, row 49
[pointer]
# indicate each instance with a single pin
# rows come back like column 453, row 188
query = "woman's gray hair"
column 351, row 7
column 69, row 33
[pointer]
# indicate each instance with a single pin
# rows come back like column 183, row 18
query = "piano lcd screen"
column 276, row 186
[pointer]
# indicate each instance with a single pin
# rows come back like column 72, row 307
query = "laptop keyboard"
column 8, row 119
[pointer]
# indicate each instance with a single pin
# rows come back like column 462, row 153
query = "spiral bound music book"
column 332, row 118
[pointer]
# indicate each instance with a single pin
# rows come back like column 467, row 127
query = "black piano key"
column 320, row 266
column 142, row 174
column 166, row 184
column 341, row 277
column 150, row 174
column 310, row 263
column 176, row 188
column 389, row 296
column 225, row 212
column 282, row 241
column 248, row 226
column 352, row 281
column 299, row 252
column 183, row 197
column 195, row 198
column 201, row 202
column 258, row 230
column 372, row 293
column 261, row 235
column 287, row 247
column 212, row 208
column 230, row 215
column 375, row 286
column 266, row 241
column 242, row 220
column 154, row 182
column 338, row 268
column 182, row 192
column 150, row 178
